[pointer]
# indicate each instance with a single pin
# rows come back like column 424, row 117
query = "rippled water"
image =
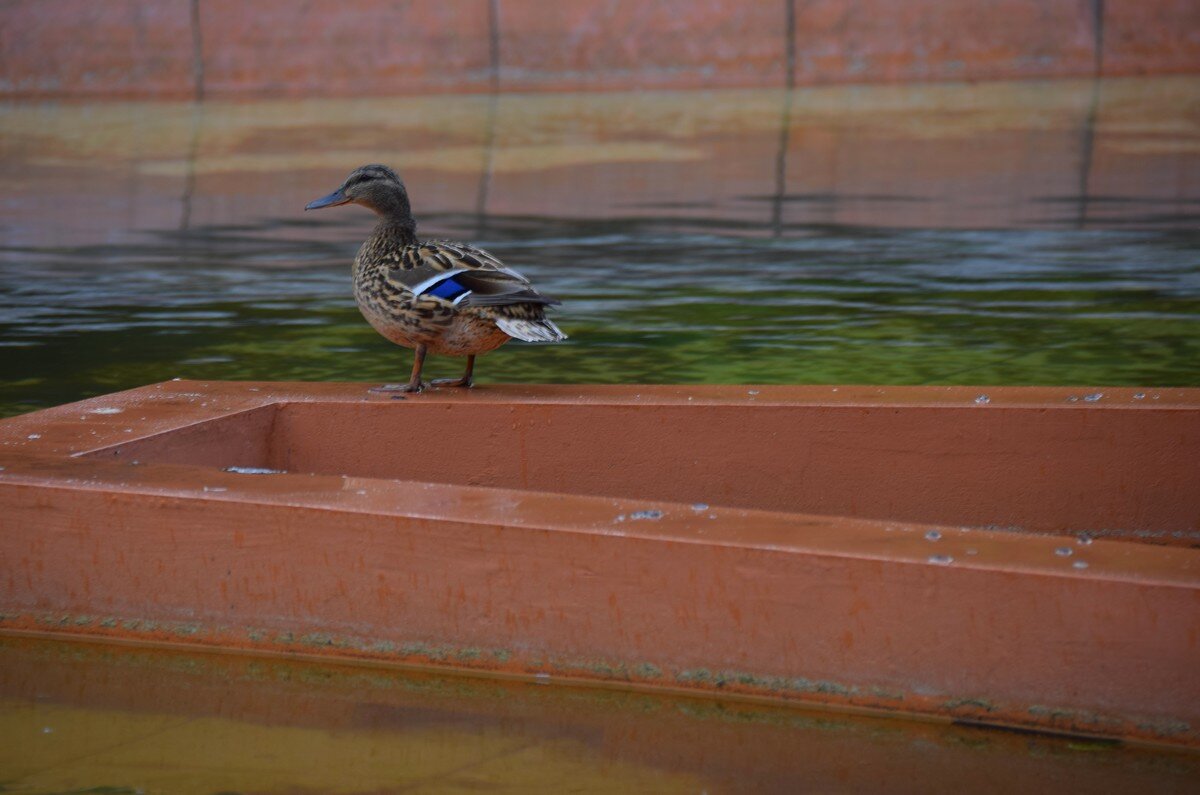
column 892, row 236
column 643, row 302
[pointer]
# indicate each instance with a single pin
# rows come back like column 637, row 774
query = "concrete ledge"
column 818, row 545
column 175, row 48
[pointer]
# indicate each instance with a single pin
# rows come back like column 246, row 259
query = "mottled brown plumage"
column 434, row 296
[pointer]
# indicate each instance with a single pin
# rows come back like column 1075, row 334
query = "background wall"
column 196, row 48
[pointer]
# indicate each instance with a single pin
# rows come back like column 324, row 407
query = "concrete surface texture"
column 197, row 48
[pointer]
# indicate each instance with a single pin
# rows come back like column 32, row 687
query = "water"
column 79, row 717
column 1005, row 233
column 1009, row 233
column 847, row 306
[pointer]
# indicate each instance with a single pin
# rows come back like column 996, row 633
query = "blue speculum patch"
column 448, row 289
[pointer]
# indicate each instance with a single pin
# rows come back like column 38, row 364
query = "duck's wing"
column 465, row 276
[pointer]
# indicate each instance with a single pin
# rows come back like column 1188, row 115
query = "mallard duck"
column 434, row 296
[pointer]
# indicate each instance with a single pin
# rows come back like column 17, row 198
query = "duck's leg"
column 467, row 378
column 414, row 383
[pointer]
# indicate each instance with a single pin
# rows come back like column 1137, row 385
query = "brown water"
column 1003, row 233
column 78, row 718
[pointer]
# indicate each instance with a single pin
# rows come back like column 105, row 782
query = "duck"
column 434, row 296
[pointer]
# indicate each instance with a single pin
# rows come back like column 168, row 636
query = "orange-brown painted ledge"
column 256, row 48
column 1011, row 556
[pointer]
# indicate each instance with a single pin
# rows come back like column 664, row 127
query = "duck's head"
column 373, row 186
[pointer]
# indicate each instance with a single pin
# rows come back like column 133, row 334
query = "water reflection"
column 88, row 718
column 1002, row 233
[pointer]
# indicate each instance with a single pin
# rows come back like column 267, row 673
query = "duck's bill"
column 332, row 200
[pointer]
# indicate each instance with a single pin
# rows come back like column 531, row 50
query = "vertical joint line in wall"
column 1086, row 146
column 189, row 178
column 1087, row 142
column 485, row 171
column 489, row 140
column 189, row 181
column 197, row 53
column 494, row 43
column 789, row 43
column 785, row 119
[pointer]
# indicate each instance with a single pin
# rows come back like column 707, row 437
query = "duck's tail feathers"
column 531, row 330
